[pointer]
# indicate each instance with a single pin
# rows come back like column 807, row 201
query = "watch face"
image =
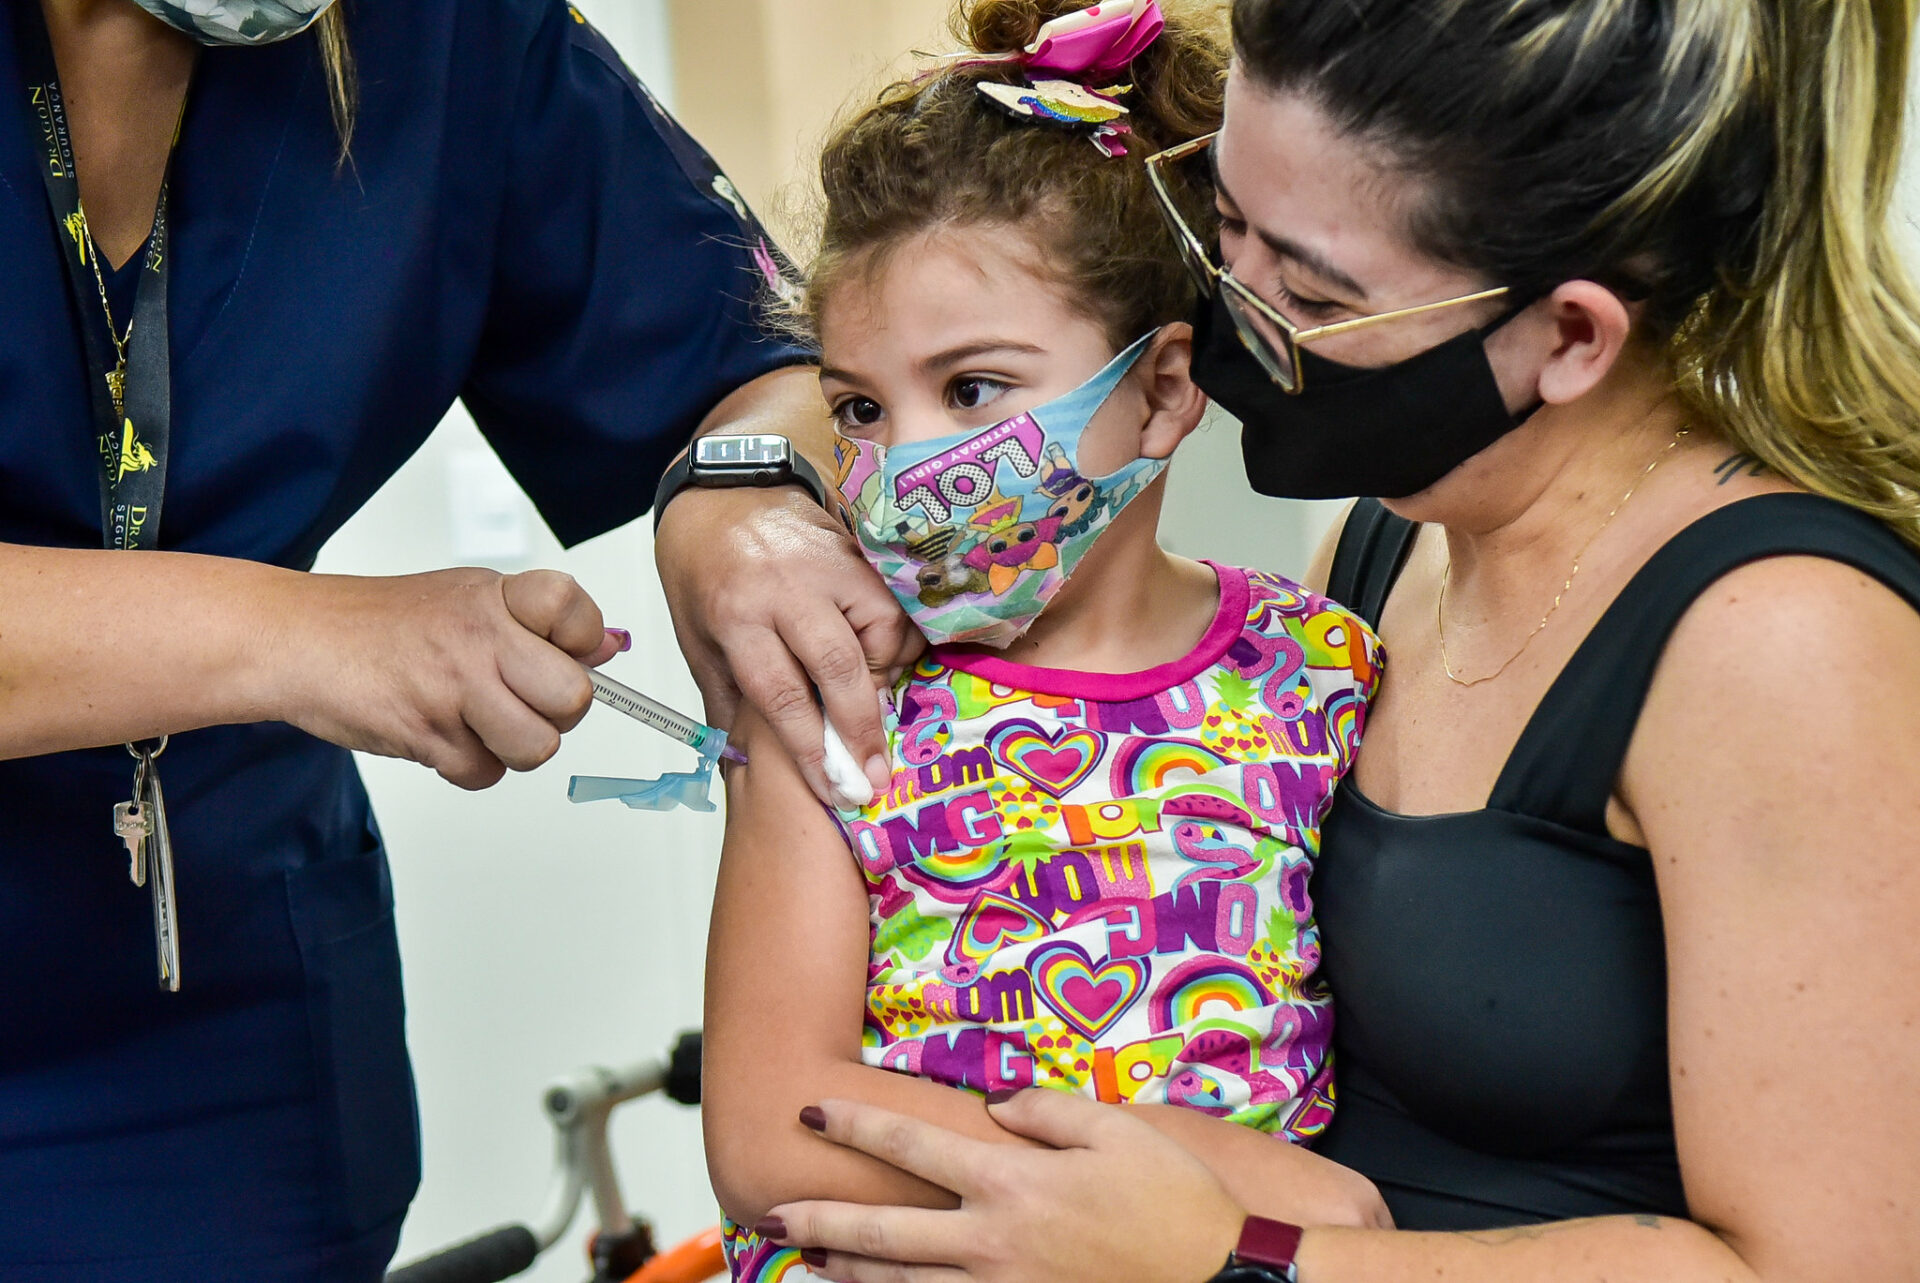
column 1247, row 1272
column 753, row 450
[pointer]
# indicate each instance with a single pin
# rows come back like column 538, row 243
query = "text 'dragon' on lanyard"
column 130, row 393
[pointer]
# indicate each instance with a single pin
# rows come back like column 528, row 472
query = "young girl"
column 1091, row 869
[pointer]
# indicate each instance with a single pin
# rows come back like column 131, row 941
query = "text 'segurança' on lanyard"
column 130, row 391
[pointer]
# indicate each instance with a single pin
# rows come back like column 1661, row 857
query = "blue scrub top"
column 521, row 227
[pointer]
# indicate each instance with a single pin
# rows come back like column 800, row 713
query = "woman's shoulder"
column 1812, row 652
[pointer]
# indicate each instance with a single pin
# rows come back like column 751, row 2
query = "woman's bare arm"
column 463, row 670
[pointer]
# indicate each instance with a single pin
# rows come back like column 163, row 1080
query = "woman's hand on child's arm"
column 786, row 990
column 1270, row 1177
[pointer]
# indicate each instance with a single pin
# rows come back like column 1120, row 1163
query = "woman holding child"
column 1615, row 904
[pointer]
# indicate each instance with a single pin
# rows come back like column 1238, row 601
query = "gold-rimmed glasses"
column 1274, row 340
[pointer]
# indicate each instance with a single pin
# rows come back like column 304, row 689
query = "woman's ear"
column 1175, row 404
column 1581, row 327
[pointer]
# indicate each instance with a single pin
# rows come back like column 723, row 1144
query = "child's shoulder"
column 1277, row 603
column 1328, row 635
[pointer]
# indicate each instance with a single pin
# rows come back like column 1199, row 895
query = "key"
column 133, row 821
column 133, row 825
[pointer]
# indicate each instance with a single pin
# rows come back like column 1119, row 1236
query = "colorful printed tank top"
column 1098, row 883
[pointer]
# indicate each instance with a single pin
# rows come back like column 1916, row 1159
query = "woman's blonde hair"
column 1807, row 351
column 343, row 86
column 1730, row 164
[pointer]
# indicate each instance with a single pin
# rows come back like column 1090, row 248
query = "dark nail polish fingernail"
column 814, row 1118
column 1000, row 1097
column 814, row 1257
column 622, row 637
column 771, row 1227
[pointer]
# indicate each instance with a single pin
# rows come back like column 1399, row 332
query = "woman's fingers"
column 862, row 1242
column 1057, row 1118
column 772, row 680
column 1143, row 1208
column 842, row 1268
column 551, row 605
column 520, row 737
column 551, row 683
column 826, row 645
column 462, row 760
column 932, row 1153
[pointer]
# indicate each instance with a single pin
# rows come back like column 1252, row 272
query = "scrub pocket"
column 369, row 1141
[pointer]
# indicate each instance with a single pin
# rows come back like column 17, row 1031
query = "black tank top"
column 1499, row 976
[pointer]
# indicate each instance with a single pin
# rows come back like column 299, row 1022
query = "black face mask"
column 1380, row 433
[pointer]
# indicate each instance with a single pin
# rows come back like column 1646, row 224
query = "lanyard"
column 132, row 399
column 132, row 408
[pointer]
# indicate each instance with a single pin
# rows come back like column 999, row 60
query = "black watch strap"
column 794, row 470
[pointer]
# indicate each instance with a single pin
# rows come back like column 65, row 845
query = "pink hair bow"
column 1095, row 42
column 1083, row 45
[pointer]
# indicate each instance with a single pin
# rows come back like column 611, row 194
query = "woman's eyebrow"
column 1286, row 248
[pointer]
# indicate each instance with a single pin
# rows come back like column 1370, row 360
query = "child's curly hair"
column 934, row 152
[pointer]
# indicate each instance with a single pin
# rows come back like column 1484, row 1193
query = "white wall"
column 538, row 936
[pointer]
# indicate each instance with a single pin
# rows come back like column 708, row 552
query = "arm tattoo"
column 1733, row 465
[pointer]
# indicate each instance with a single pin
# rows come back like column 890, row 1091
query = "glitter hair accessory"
column 1063, row 102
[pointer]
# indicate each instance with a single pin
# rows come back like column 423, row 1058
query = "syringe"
column 696, row 735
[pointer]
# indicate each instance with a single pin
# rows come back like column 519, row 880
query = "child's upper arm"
column 787, row 952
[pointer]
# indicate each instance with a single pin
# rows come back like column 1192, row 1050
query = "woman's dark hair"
column 933, row 152
column 1730, row 164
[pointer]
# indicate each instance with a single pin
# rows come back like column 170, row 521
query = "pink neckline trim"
column 1229, row 621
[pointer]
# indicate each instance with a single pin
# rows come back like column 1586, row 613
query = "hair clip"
column 1064, row 102
column 1090, row 43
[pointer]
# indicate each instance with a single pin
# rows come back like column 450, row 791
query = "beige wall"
column 759, row 81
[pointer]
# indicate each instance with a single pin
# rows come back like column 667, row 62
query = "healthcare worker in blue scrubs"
column 250, row 252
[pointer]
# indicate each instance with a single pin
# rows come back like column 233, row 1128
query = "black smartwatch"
column 1264, row 1254
column 749, row 459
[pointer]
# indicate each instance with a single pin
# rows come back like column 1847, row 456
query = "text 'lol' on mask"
column 976, row 531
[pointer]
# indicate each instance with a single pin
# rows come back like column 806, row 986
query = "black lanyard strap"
column 132, row 441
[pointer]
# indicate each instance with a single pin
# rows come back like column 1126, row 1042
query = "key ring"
column 134, row 750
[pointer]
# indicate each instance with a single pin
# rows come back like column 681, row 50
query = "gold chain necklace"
column 1446, row 576
column 116, row 377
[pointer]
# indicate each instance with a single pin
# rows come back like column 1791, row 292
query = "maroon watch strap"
column 1270, row 1243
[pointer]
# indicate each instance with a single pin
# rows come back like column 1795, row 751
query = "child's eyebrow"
column 972, row 351
column 1286, row 248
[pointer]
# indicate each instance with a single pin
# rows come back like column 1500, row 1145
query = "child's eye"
column 975, row 392
column 857, row 412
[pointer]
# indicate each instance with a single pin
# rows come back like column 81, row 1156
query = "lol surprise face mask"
column 976, row 531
